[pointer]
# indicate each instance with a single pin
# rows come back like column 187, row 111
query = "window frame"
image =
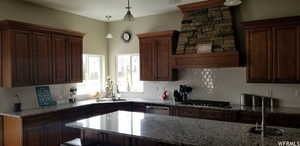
column 102, row 74
column 116, row 71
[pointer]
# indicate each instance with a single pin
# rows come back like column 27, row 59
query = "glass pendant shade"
column 129, row 16
column 231, row 3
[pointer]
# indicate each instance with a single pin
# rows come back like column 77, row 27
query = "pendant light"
column 128, row 16
column 109, row 35
column 231, row 3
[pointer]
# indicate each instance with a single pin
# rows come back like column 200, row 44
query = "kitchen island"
column 141, row 129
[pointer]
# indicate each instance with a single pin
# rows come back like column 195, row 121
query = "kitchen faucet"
column 115, row 92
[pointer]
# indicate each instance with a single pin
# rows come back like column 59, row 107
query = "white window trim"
column 116, row 71
column 103, row 72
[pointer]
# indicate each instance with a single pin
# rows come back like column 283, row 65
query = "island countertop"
column 181, row 131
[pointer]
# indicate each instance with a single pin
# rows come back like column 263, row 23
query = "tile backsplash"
column 224, row 84
column 28, row 96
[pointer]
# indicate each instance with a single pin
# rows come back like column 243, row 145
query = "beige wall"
column 94, row 41
column 228, row 83
column 155, row 23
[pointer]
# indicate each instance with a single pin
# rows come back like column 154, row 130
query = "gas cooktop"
column 208, row 103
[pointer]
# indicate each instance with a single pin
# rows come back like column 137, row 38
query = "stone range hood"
column 208, row 22
column 208, row 25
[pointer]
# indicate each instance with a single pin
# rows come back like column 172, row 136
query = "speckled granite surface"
column 179, row 130
column 37, row 111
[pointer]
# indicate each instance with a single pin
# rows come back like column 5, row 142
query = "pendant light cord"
column 128, row 7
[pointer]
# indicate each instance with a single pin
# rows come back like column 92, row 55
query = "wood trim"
column 13, row 131
column 1, row 61
column 298, row 53
column 207, row 60
column 7, row 59
column 158, row 34
column 1, row 131
column 271, row 22
column 11, row 24
column 200, row 5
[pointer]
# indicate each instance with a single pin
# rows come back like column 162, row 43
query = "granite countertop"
column 179, row 130
column 44, row 110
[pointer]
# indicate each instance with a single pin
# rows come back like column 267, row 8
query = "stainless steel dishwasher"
column 162, row 110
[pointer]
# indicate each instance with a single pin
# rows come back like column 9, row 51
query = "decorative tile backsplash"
column 223, row 84
column 207, row 26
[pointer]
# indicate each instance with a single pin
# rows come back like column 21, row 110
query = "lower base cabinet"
column 94, row 137
column 68, row 134
column 48, row 135
column 211, row 114
column 50, row 130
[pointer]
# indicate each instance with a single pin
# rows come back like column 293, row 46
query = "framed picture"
column 44, row 96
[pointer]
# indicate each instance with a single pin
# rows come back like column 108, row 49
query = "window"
column 128, row 73
column 93, row 75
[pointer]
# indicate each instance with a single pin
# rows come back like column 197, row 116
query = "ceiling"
column 98, row 9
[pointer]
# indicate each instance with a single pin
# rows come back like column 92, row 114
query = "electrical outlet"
column 296, row 92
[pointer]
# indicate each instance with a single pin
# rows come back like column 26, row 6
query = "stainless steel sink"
column 267, row 131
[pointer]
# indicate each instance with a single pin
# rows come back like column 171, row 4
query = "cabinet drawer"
column 188, row 112
column 40, row 120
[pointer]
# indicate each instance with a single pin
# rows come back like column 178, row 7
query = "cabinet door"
column 22, row 58
column 59, row 44
column 162, row 52
column 75, row 60
column 34, row 136
column 1, row 61
column 259, row 55
column 42, row 58
column 67, row 133
column 285, row 55
column 146, row 59
column 53, row 134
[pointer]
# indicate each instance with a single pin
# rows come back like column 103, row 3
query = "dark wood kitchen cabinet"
column 1, row 62
column 259, row 55
column 75, row 59
column 39, row 55
column 286, row 53
column 42, row 58
column 155, row 55
column 273, row 50
column 205, row 113
column 60, row 51
column 17, row 58
column 42, row 135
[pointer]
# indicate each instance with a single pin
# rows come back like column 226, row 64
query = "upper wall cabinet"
column 38, row 55
column 273, row 50
column 155, row 55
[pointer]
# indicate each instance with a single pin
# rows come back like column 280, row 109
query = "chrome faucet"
column 115, row 92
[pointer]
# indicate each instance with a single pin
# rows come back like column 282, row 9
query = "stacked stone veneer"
column 208, row 25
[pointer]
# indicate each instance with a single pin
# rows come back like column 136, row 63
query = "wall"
column 168, row 21
column 94, row 41
column 214, row 84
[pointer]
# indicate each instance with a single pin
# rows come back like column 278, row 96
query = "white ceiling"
column 98, row 9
